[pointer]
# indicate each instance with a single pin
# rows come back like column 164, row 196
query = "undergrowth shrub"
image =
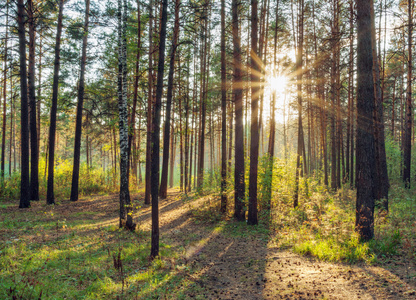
column 92, row 180
column 9, row 188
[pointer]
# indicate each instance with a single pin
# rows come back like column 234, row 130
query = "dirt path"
column 243, row 265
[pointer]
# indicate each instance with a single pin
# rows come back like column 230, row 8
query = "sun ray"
column 278, row 84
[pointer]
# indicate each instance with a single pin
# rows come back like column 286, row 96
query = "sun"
column 277, row 83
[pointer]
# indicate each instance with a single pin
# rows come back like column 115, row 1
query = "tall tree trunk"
column 254, row 143
column 139, row 147
column 50, row 196
column 34, row 157
column 166, row 135
column 223, row 114
column 337, row 53
column 365, row 127
column 333, row 112
column 201, row 157
column 299, row 97
column 181, row 181
column 149, row 110
column 382, row 181
column 186, row 165
column 172, row 147
column 273, row 119
column 132, row 125
column 39, row 102
column 24, row 124
column 3, row 139
column 126, row 218
column 80, row 103
column 350, row 90
column 239, row 184
column 12, row 121
column 407, row 143
column 156, row 136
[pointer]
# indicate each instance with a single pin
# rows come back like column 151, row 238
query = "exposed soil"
column 238, row 266
column 249, row 268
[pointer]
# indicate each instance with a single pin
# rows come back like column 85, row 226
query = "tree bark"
column 382, row 181
column 34, row 157
column 239, row 184
column 126, row 218
column 299, row 56
column 149, row 110
column 154, row 252
column 201, row 144
column 223, row 207
column 132, row 125
column 24, row 122
column 80, row 103
column 365, row 127
column 254, row 142
column 273, row 119
column 407, row 143
column 172, row 147
column 166, row 135
column 3, row 139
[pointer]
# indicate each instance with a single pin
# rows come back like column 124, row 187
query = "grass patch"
column 42, row 254
column 323, row 226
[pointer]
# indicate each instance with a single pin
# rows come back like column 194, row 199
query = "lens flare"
column 277, row 83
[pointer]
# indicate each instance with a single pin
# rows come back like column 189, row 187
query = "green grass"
column 78, row 268
column 76, row 262
column 323, row 227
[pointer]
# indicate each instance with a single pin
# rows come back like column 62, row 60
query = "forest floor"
column 76, row 251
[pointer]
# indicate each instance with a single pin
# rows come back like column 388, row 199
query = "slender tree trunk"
column 337, row 53
column 149, row 110
column 365, row 127
column 191, row 144
column 11, row 141
column 407, row 143
column 154, row 252
column 172, row 147
column 24, row 124
column 350, row 90
column 223, row 114
column 299, row 97
column 126, row 218
column 201, row 157
column 166, row 136
column 132, row 125
column 87, row 143
column 186, row 166
column 39, row 102
column 3, row 140
column 50, row 196
column 80, row 103
column 273, row 119
column 34, row 157
column 139, row 140
column 181, row 181
column 382, row 181
column 239, row 184
column 254, row 143
column 333, row 112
